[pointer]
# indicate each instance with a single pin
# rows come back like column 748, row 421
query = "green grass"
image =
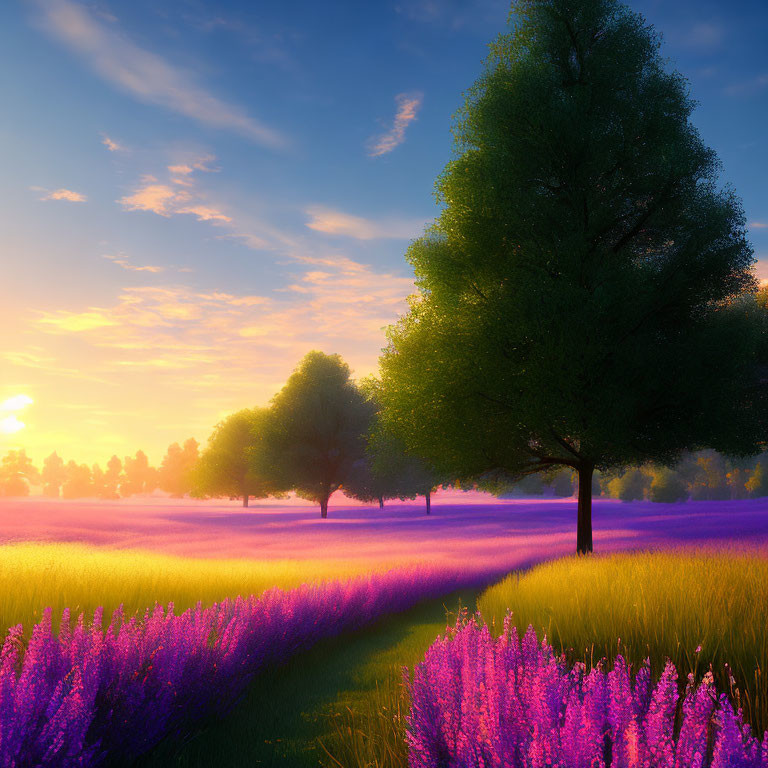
column 82, row 578
column 656, row 605
column 338, row 704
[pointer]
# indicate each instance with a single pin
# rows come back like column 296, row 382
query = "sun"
column 10, row 423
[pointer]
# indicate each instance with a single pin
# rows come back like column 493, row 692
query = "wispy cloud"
column 408, row 106
column 177, row 196
column 704, row 35
column 337, row 304
column 65, row 320
column 146, row 75
column 334, row 222
column 61, row 194
column 121, row 260
column 758, row 224
column 749, row 86
column 111, row 144
column 455, row 14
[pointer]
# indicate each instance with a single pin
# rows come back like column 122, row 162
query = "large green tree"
column 315, row 431
column 579, row 295
column 227, row 465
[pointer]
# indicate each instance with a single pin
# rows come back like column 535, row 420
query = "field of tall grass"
column 697, row 608
column 82, row 578
column 694, row 607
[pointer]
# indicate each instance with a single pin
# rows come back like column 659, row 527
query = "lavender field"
column 82, row 696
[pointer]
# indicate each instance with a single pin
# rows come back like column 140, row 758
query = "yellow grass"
column 82, row 578
column 657, row 605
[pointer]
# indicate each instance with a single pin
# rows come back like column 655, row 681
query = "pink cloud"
column 334, row 222
column 62, row 194
column 408, row 106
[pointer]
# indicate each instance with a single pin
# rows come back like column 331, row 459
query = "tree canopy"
column 315, row 430
column 227, row 465
column 579, row 295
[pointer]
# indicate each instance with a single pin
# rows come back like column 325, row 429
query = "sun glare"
column 10, row 425
column 15, row 403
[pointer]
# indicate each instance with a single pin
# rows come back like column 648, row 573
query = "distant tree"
column 757, row 485
column 98, row 482
column 227, row 466
column 710, row 482
column 667, row 487
column 632, row 485
column 112, row 478
column 315, row 431
column 175, row 474
column 17, row 473
column 77, row 483
column 530, row 485
column 137, row 475
column 388, row 472
column 366, row 485
column 736, row 479
column 578, row 292
column 562, row 483
column 53, row 475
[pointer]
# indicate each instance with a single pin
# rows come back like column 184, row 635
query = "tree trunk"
column 324, row 507
column 584, row 520
column 245, row 499
column 428, row 499
column 381, row 502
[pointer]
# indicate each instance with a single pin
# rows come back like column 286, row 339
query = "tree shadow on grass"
column 280, row 717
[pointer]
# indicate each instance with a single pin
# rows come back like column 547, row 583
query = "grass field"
column 343, row 704
column 696, row 609
column 82, row 578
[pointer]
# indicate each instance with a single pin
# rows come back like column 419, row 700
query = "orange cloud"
column 161, row 363
column 62, row 194
column 176, row 197
column 123, row 262
column 333, row 222
column 111, row 144
column 408, row 106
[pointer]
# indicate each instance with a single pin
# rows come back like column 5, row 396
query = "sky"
column 195, row 194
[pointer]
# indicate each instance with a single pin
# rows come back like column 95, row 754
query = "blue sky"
column 197, row 193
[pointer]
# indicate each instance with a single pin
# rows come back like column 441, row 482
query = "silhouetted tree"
column 175, row 474
column 137, row 475
column 578, row 292
column 112, row 478
column 53, row 475
column 17, row 473
column 77, row 483
column 315, row 431
column 98, row 482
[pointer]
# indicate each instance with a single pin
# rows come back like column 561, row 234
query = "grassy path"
column 284, row 716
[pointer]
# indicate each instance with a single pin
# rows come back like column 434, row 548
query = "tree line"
column 130, row 476
column 699, row 476
column 321, row 433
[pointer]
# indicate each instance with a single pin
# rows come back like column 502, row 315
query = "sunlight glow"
column 10, row 425
column 15, row 403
